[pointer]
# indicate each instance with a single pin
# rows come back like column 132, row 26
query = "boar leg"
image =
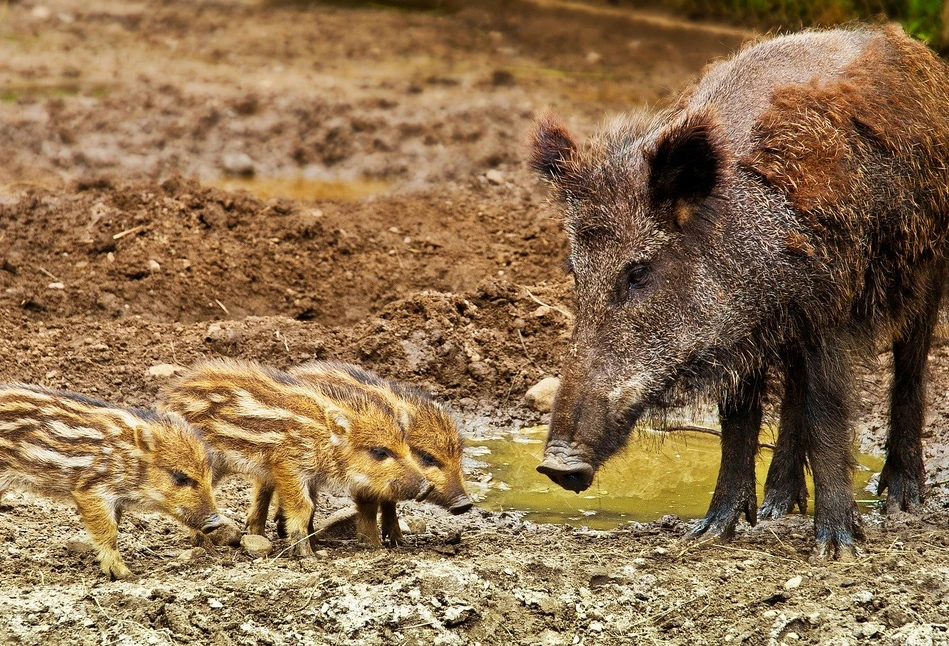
column 103, row 527
column 903, row 473
column 785, row 486
column 391, row 532
column 259, row 506
column 367, row 529
column 740, row 414
column 829, row 438
column 297, row 508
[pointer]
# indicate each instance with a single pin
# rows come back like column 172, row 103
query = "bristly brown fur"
column 787, row 215
column 105, row 459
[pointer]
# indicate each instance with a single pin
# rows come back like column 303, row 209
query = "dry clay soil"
column 118, row 254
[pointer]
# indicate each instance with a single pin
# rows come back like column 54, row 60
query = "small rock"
column 193, row 554
column 542, row 311
column 164, row 370
column 153, row 266
column 792, row 635
column 321, row 553
column 414, row 525
column 41, row 13
column 769, row 614
column 458, row 615
column 238, row 164
column 541, row 395
column 593, row 58
column 494, row 176
column 863, row 598
column 596, row 626
column 57, row 285
column 214, row 603
column 794, row 582
column 869, row 629
column 110, row 257
column 256, row 546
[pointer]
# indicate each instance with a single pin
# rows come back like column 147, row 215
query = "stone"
column 541, row 395
column 256, row 546
column 793, row 582
column 494, row 176
column 238, row 164
column 154, row 266
column 164, row 370
column 193, row 554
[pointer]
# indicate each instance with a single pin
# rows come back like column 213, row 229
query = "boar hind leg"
column 259, row 506
column 829, row 439
column 391, row 532
column 740, row 415
column 103, row 527
column 367, row 529
column 903, row 473
column 785, row 486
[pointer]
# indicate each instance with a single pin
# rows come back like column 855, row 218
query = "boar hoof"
column 904, row 492
column 779, row 502
column 833, row 550
column 393, row 536
column 116, row 570
column 723, row 516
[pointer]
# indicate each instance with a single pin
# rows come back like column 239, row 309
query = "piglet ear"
column 685, row 166
column 551, row 148
column 144, row 440
column 339, row 425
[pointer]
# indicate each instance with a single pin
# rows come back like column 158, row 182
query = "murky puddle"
column 656, row 474
column 302, row 189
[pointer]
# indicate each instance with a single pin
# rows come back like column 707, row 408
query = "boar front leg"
column 391, row 532
column 785, row 486
column 903, row 473
column 740, row 414
column 102, row 525
column 367, row 529
column 259, row 506
column 825, row 414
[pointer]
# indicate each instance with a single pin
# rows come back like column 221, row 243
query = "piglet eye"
column 182, row 479
column 380, row 453
column 426, row 459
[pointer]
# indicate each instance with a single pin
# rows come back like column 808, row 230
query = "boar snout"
column 211, row 523
column 425, row 489
column 575, row 477
column 460, row 505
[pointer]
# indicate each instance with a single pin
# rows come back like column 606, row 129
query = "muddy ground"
column 118, row 254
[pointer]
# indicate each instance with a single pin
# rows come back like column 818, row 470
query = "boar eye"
column 427, row 459
column 634, row 279
column 380, row 453
column 182, row 479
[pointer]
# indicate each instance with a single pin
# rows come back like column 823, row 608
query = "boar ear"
column 404, row 415
column 144, row 440
column 339, row 425
column 685, row 166
column 551, row 148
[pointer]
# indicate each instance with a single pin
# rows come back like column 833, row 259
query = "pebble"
column 153, row 266
column 238, row 164
column 193, row 554
column 164, row 370
column 769, row 614
column 541, row 395
column 214, row 603
column 593, row 58
column 57, row 286
column 794, row 582
column 494, row 176
column 868, row 629
column 863, row 597
column 256, row 546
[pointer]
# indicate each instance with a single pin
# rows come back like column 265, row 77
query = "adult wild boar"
column 787, row 214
